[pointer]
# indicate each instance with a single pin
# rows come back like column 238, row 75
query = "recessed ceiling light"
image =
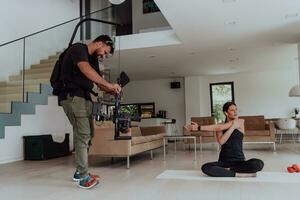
column 191, row 53
column 291, row 15
column 234, row 60
column 229, row 1
column 232, row 49
column 231, row 23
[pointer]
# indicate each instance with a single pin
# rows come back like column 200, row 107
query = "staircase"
column 37, row 89
column 11, row 91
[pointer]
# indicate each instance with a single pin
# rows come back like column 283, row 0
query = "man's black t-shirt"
column 77, row 83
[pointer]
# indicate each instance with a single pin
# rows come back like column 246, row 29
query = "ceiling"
column 220, row 37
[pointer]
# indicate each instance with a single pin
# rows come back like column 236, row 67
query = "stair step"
column 54, row 56
column 43, row 61
column 19, row 83
column 30, row 76
column 44, row 65
column 29, row 82
column 19, row 89
column 38, row 70
column 5, row 107
column 7, row 98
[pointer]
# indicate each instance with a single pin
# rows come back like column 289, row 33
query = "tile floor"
column 51, row 179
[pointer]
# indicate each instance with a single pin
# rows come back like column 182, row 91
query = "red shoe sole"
column 292, row 169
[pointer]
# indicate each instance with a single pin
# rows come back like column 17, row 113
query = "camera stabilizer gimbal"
column 121, row 120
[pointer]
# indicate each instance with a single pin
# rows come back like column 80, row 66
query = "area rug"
column 274, row 177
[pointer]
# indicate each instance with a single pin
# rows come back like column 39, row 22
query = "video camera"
column 122, row 120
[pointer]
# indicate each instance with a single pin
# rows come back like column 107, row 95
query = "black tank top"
column 232, row 149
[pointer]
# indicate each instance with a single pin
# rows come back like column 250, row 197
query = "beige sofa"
column 258, row 130
column 143, row 139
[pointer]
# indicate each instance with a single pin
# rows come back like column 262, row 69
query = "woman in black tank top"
column 230, row 135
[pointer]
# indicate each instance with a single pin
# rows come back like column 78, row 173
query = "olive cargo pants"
column 79, row 113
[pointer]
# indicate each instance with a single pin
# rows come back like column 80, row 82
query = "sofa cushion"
column 254, row 122
column 145, row 139
column 139, row 140
column 135, row 131
column 203, row 133
column 257, row 133
column 152, row 130
column 156, row 137
column 203, row 120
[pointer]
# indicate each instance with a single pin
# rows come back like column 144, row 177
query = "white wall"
column 20, row 18
column 158, row 91
column 257, row 93
column 192, row 97
column 49, row 119
column 145, row 21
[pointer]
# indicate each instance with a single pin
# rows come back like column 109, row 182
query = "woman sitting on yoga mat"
column 230, row 135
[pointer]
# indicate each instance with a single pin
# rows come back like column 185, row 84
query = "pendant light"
column 116, row 2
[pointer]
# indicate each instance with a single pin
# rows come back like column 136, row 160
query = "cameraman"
column 80, row 66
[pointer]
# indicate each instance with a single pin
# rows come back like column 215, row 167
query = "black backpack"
column 63, row 80
column 57, row 77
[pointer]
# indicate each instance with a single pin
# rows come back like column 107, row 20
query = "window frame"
column 211, row 95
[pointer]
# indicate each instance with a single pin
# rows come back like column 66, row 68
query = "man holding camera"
column 80, row 63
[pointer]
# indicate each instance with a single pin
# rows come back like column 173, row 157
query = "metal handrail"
column 52, row 27
column 89, row 19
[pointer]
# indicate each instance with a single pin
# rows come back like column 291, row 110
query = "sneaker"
column 88, row 182
column 76, row 176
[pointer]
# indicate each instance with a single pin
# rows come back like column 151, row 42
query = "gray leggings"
column 218, row 169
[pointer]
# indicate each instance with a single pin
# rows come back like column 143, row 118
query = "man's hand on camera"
column 110, row 88
column 115, row 89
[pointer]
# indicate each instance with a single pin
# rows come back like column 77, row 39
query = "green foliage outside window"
column 218, row 113
column 221, row 93
column 130, row 109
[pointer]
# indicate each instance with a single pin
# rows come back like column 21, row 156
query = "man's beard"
column 95, row 56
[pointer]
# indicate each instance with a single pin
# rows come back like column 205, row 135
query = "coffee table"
column 177, row 137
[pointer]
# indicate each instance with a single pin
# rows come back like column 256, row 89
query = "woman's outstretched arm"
column 216, row 127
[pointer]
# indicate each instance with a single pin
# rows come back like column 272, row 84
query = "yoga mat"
column 273, row 177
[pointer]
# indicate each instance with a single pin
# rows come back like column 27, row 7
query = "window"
column 144, row 110
column 147, row 110
column 220, row 93
column 131, row 109
column 149, row 6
